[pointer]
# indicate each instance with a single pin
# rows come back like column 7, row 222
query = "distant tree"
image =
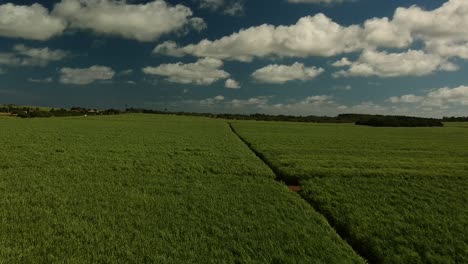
column 455, row 119
column 399, row 121
column 10, row 106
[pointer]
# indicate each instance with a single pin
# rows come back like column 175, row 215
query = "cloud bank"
column 142, row 22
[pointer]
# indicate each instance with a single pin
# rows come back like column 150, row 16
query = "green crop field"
column 398, row 195
column 457, row 124
column 149, row 189
column 168, row 189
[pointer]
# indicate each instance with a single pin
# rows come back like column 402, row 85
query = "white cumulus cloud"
column 211, row 101
column 409, row 98
column 29, row 22
column 438, row 98
column 85, row 75
column 384, row 64
column 443, row 31
column 311, row 36
column 203, row 72
column 381, row 32
column 258, row 102
column 342, row 62
column 280, row 74
column 143, row 22
column 232, row 84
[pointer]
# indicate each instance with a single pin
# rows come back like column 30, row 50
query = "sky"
column 296, row 57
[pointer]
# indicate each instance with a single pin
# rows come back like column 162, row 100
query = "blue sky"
column 300, row 57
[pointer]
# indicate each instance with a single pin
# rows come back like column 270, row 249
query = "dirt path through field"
column 293, row 185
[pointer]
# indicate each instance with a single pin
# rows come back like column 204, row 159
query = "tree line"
column 455, row 119
column 398, row 121
column 34, row 112
column 358, row 119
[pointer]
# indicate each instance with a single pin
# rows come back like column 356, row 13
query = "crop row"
column 398, row 195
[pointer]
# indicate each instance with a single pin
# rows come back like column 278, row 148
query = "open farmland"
column 149, row 189
column 398, row 195
column 457, row 124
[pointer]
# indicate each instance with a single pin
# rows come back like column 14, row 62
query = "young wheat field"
column 168, row 189
column 398, row 195
column 149, row 189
